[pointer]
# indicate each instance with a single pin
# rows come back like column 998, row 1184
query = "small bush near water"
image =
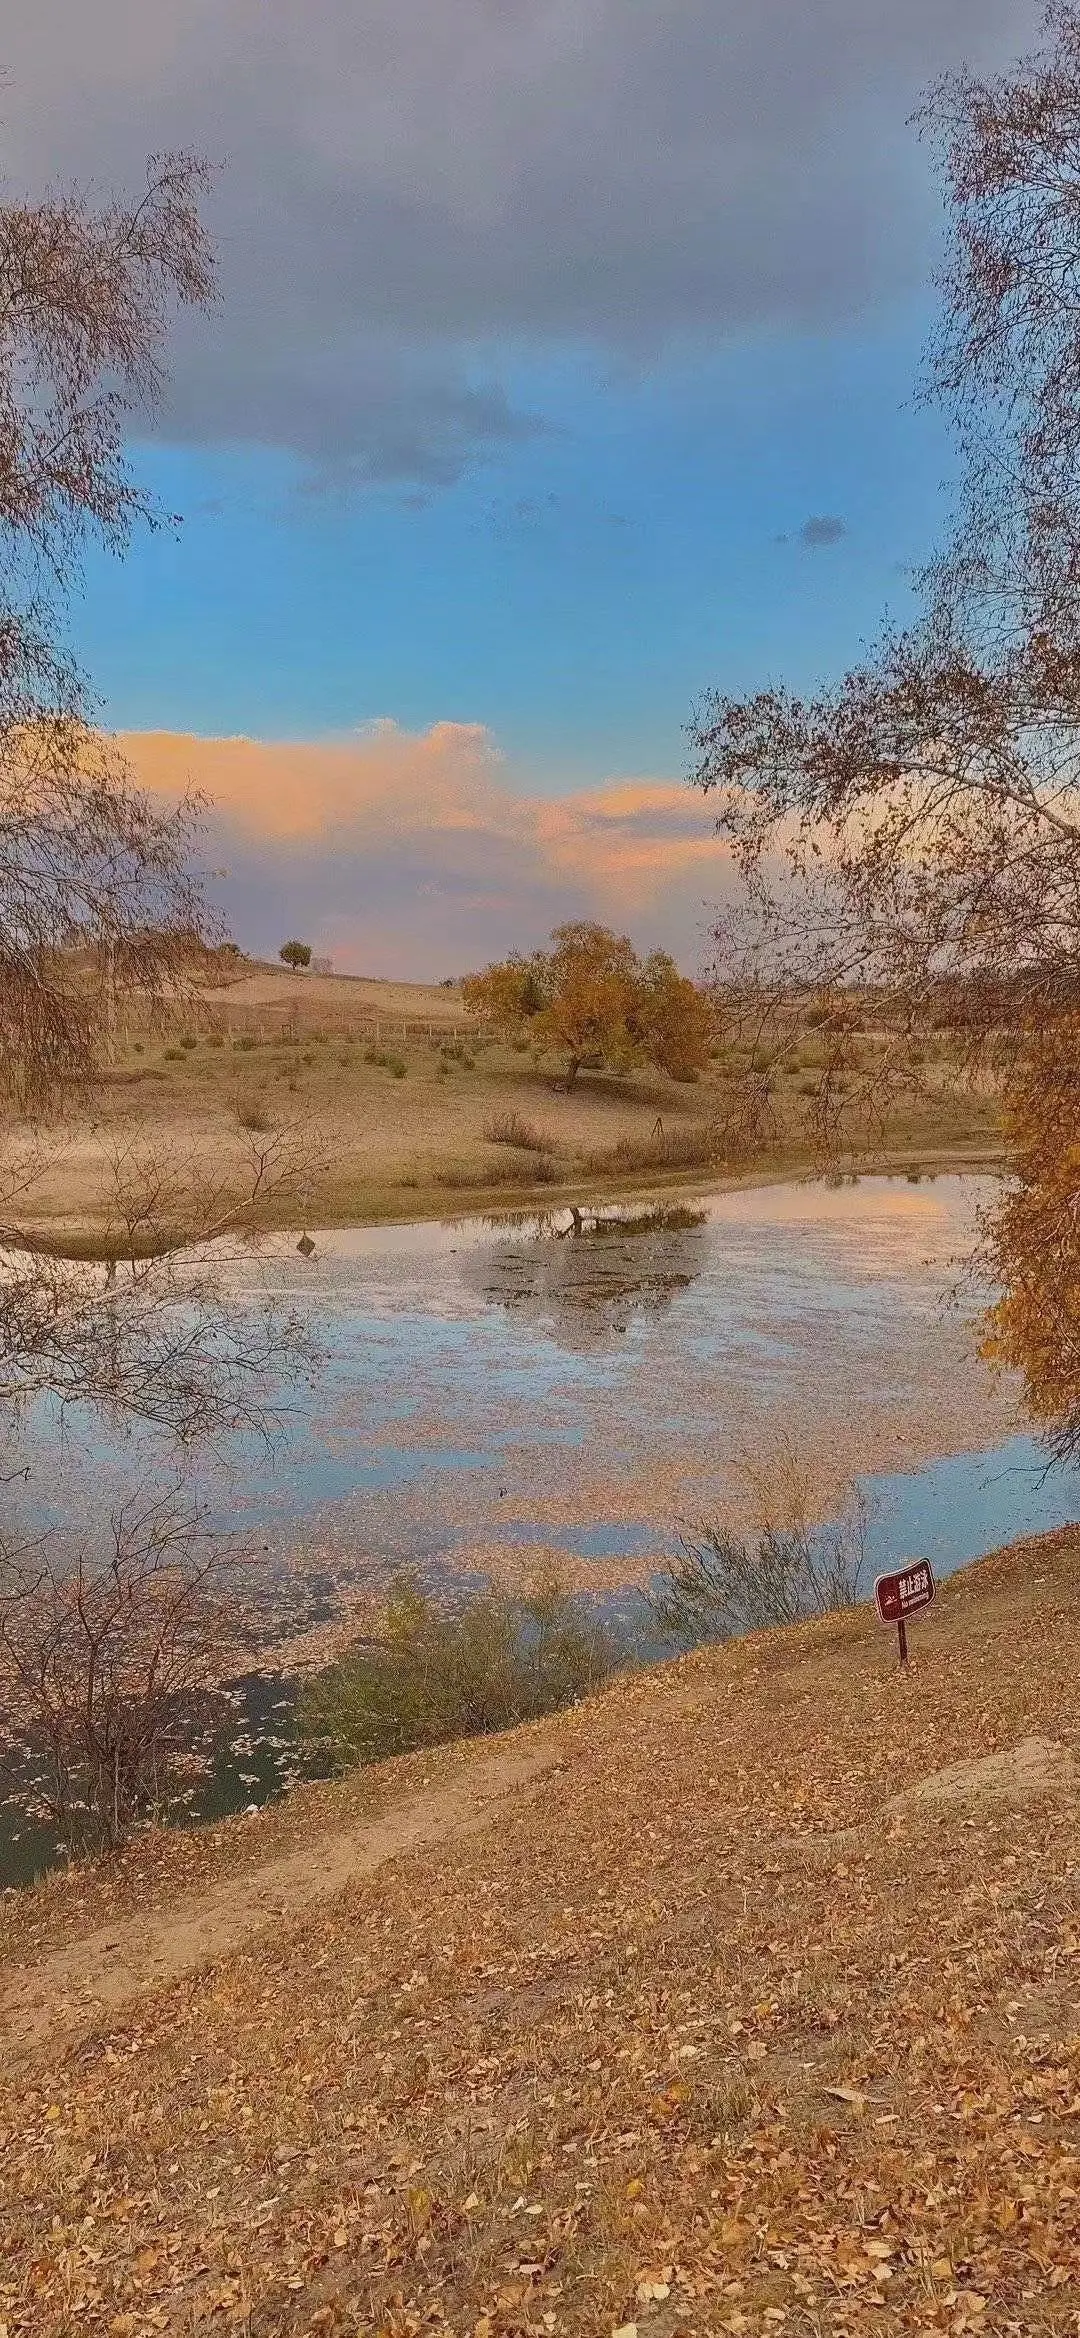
column 437, row 1674
column 722, row 1584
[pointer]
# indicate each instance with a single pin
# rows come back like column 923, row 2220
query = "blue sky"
column 563, row 367
column 575, row 595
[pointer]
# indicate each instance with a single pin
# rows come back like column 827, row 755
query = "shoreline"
column 81, row 1240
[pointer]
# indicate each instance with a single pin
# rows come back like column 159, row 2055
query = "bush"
column 788, row 1570
column 251, row 1113
column 436, row 1674
column 109, row 1660
column 189, row 1040
column 215, row 1038
column 509, row 1128
column 694, row 1147
column 246, row 1042
column 173, row 1054
column 386, row 1062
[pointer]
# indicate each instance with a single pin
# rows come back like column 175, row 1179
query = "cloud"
column 821, row 528
column 421, row 202
column 413, row 854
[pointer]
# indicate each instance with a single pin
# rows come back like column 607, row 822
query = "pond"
column 586, row 1389
column 500, row 1392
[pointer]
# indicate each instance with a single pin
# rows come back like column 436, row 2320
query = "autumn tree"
column 98, row 892
column 102, row 1650
column 912, row 837
column 673, row 1019
column 590, row 999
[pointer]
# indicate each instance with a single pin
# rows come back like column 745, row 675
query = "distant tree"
column 590, row 998
column 295, row 954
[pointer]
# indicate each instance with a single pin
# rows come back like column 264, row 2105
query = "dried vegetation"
column 712, row 2028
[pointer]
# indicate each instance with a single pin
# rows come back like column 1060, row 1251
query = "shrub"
column 251, row 1113
column 693, row 1147
column 435, row 1674
column 509, row 1128
column 789, row 1569
column 385, row 1062
column 138, row 1048
column 110, row 1662
column 246, row 1042
column 215, row 1038
column 189, row 1040
column 173, row 1054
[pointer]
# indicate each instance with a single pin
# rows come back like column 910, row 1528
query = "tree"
column 295, row 954
column 95, row 884
column 590, row 999
column 912, row 837
column 97, row 891
column 674, row 1020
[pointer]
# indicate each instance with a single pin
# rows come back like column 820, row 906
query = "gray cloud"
column 821, row 528
column 419, row 201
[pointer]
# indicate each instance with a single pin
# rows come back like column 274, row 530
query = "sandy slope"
column 743, row 2017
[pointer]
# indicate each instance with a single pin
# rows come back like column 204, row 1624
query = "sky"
column 563, row 368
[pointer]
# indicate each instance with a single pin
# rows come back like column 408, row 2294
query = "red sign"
column 903, row 1594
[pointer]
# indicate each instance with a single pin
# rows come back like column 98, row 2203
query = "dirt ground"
column 749, row 2003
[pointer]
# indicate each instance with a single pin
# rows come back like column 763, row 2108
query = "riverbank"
column 791, row 2044
column 327, row 1206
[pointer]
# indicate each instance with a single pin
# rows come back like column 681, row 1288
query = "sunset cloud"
column 413, row 853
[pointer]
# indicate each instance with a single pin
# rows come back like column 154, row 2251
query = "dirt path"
column 102, row 1974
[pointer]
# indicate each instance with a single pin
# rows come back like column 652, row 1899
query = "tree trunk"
column 572, row 1070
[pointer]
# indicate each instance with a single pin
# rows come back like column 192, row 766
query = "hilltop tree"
column 590, row 999
column 915, row 833
column 295, row 954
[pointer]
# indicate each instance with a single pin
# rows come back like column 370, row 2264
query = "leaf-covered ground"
column 710, row 2029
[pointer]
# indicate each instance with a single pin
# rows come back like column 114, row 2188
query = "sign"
column 904, row 1594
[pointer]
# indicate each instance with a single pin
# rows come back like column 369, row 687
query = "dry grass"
column 709, row 2030
column 511, row 1128
column 398, row 1120
column 692, row 1147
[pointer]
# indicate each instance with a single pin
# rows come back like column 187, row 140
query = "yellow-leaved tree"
column 592, row 1000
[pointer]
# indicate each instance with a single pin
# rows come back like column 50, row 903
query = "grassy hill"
column 403, row 1109
column 744, row 1998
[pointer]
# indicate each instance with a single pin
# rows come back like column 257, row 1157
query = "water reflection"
column 584, row 1276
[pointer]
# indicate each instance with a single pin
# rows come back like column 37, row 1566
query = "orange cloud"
column 404, row 852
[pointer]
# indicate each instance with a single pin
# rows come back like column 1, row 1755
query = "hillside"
column 713, row 2006
column 391, row 1105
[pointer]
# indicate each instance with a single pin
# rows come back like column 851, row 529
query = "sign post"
column 904, row 1594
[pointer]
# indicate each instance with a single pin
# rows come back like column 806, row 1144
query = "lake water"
column 499, row 1393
